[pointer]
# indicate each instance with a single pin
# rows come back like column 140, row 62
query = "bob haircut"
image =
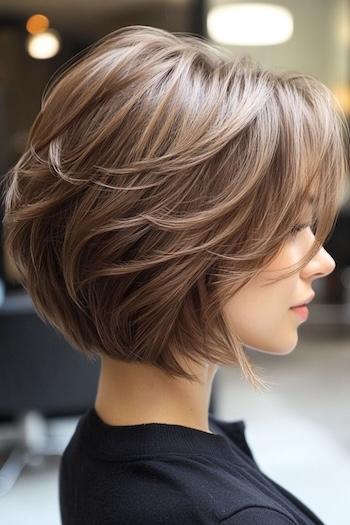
column 161, row 175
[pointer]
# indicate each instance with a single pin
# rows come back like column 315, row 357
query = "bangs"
column 310, row 166
column 312, row 135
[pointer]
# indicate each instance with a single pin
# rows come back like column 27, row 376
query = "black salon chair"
column 41, row 378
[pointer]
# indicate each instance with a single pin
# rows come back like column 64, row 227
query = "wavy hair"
column 161, row 175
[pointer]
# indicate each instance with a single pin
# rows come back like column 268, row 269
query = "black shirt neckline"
column 150, row 439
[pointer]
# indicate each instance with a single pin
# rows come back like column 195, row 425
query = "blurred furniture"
column 41, row 378
column 332, row 302
column 338, row 246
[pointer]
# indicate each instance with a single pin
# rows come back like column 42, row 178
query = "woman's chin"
column 275, row 350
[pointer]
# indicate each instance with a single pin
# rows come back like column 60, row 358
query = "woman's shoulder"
column 166, row 471
column 258, row 515
column 248, row 516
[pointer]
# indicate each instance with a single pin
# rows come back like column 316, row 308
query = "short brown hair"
column 160, row 175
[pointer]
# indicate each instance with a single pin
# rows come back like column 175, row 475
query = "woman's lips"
column 301, row 311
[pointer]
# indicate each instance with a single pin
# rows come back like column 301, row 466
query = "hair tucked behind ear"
column 159, row 177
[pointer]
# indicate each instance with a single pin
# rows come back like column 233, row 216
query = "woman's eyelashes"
column 299, row 227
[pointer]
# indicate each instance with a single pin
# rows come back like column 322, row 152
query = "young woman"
column 170, row 207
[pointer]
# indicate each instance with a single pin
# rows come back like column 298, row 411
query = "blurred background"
column 299, row 430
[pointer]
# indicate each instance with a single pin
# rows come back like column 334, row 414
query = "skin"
column 261, row 314
column 131, row 394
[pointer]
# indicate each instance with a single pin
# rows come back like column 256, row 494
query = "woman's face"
column 260, row 315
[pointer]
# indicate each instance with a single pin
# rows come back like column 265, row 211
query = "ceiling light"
column 44, row 45
column 249, row 24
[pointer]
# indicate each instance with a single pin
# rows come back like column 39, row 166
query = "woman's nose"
column 320, row 266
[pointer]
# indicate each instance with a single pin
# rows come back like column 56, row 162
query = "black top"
column 156, row 473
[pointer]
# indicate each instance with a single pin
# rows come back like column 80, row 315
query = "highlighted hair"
column 161, row 175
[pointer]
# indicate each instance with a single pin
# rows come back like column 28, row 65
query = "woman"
column 165, row 190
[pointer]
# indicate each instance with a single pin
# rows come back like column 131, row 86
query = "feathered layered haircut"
column 160, row 175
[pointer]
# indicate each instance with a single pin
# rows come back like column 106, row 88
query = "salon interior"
column 302, row 423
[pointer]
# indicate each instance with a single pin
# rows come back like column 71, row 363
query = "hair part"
column 159, row 176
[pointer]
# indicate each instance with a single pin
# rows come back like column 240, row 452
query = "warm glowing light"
column 249, row 24
column 342, row 94
column 37, row 24
column 44, row 45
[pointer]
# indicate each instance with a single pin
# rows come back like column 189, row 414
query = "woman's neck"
column 135, row 393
